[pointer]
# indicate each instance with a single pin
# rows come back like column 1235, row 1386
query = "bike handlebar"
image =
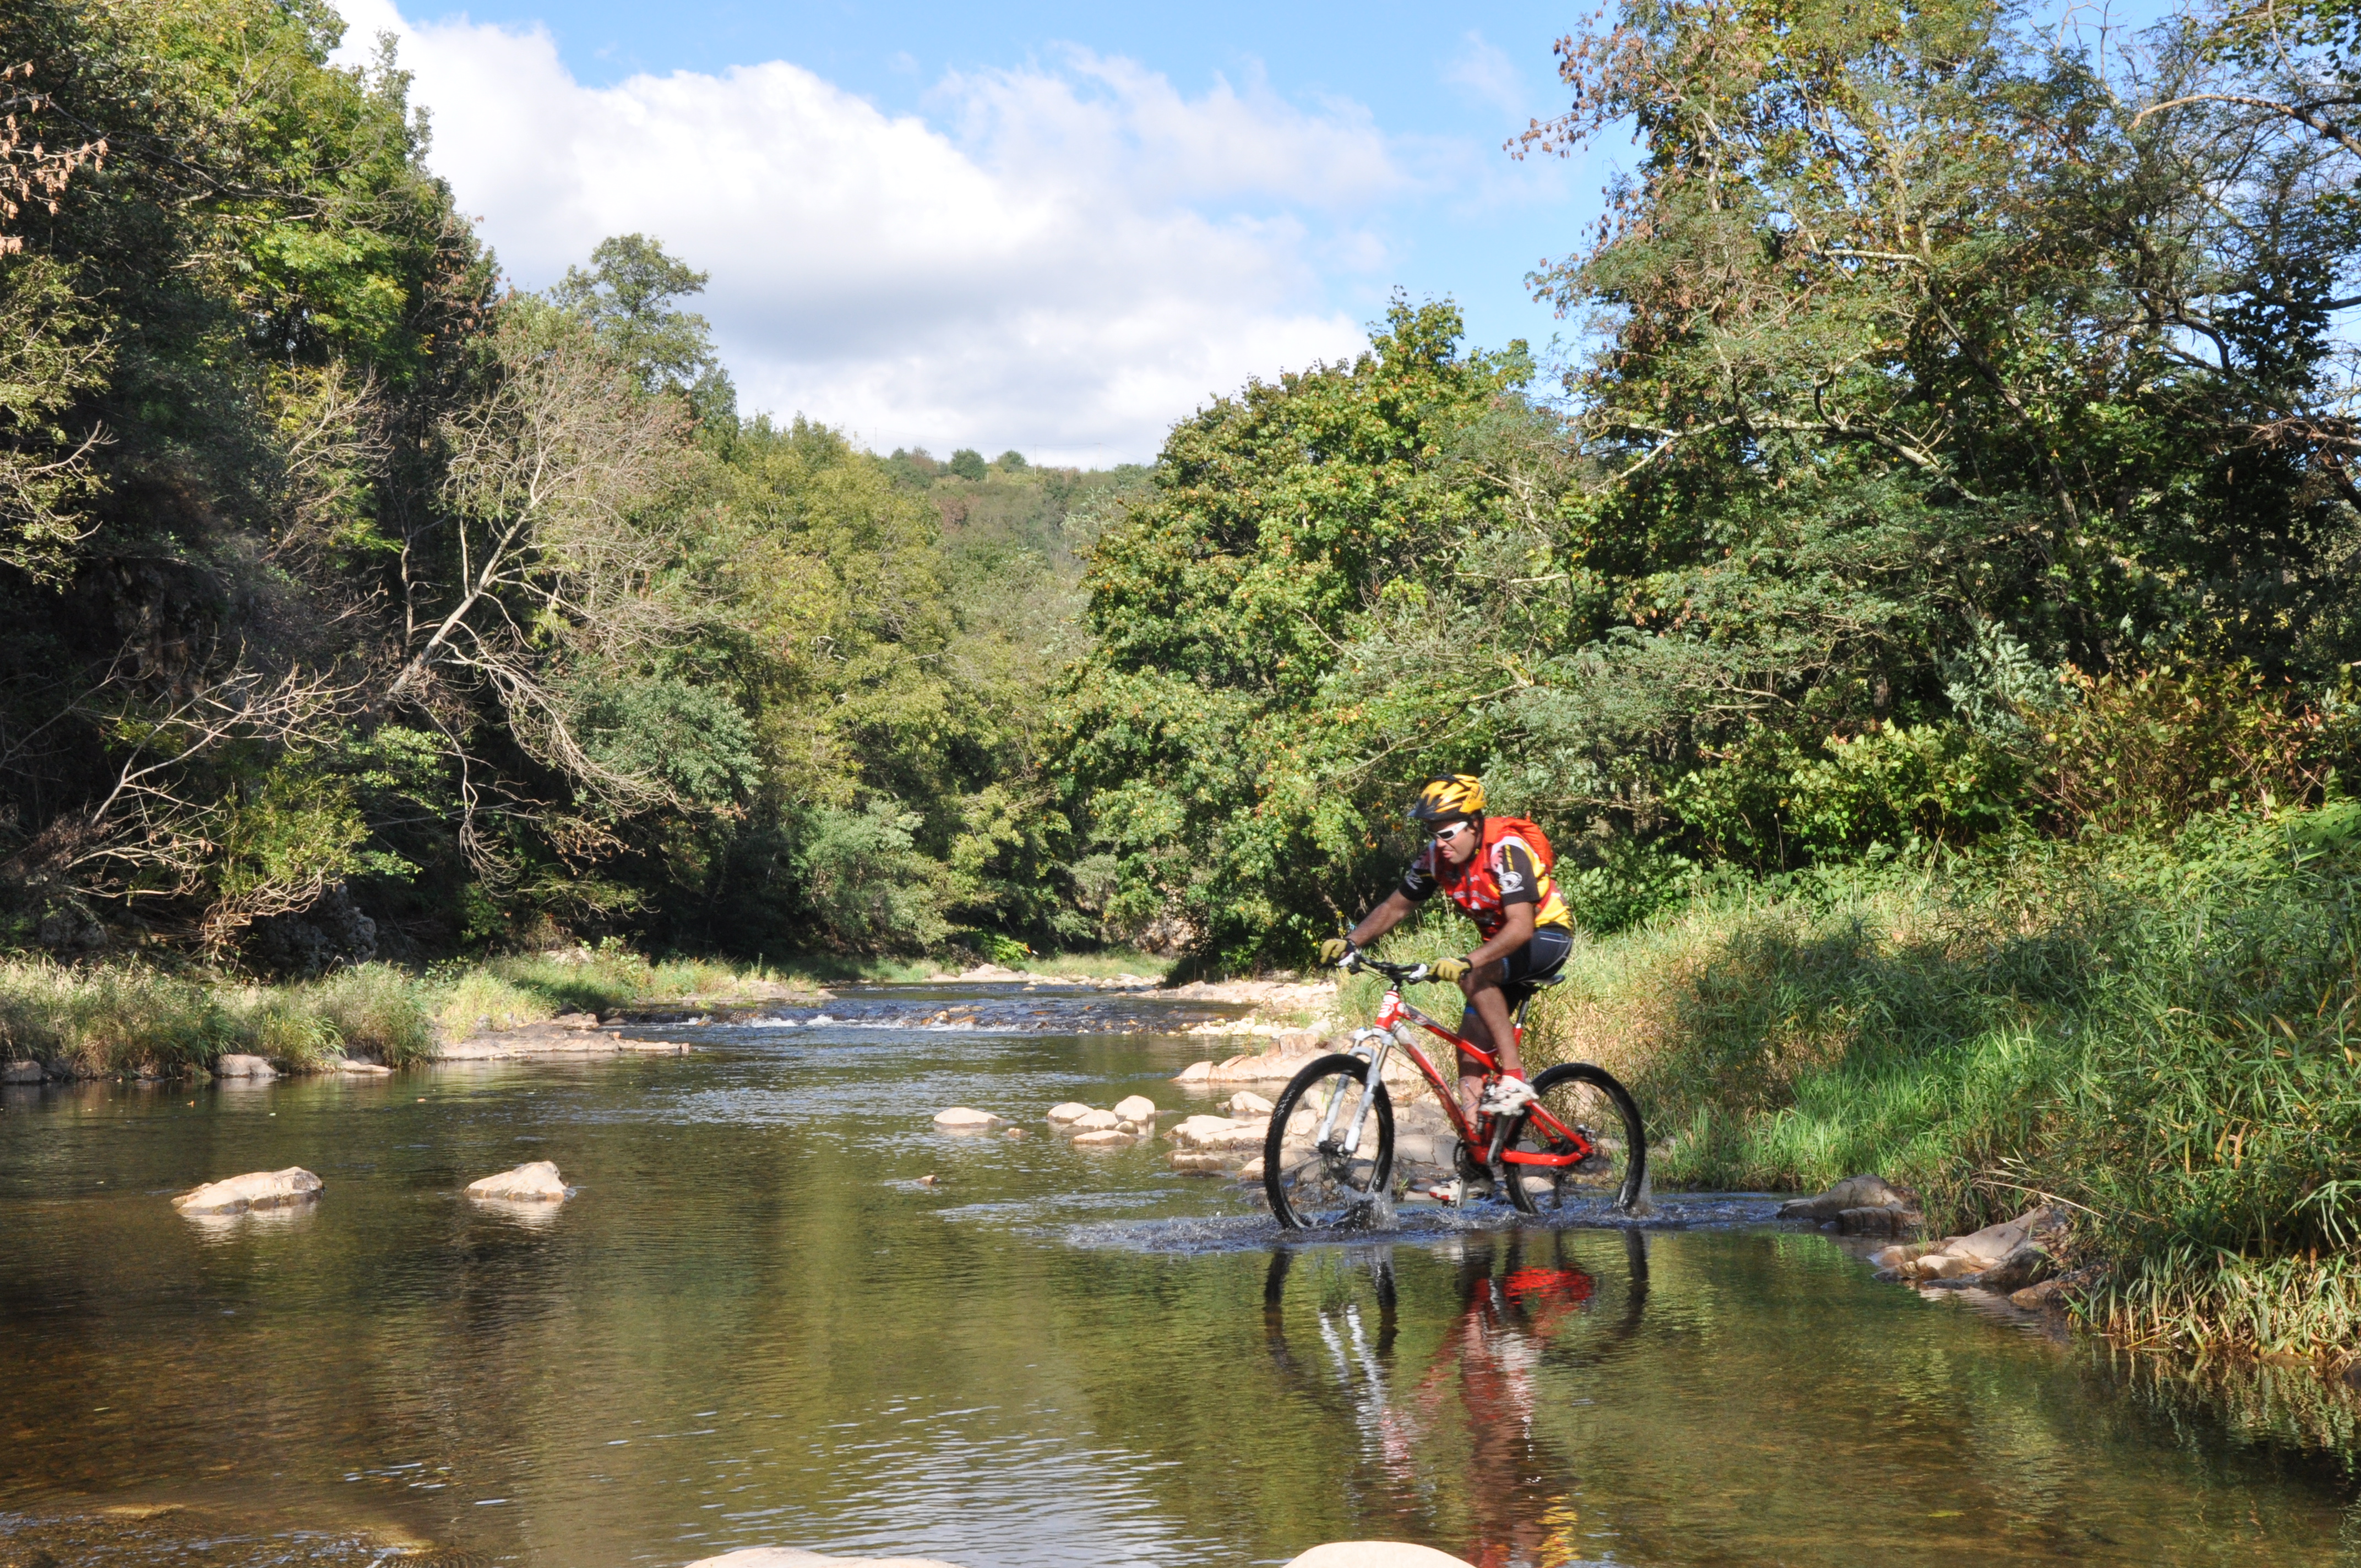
column 1401, row 974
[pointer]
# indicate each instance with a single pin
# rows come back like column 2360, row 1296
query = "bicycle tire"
column 1316, row 1191
column 1579, row 1094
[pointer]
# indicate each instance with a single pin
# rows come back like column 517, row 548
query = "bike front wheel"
column 1311, row 1179
column 1589, row 1104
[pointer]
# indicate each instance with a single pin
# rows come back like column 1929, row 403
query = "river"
column 755, row 1325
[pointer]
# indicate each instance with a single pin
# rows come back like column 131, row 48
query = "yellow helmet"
column 1446, row 797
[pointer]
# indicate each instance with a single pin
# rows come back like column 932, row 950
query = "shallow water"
column 754, row 1326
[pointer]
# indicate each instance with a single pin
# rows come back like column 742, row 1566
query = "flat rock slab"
column 960, row 1119
column 788, row 1557
column 255, row 1190
column 553, row 1040
column 1375, row 1554
column 1070, row 1112
column 236, row 1066
column 20, row 1072
column 535, row 1181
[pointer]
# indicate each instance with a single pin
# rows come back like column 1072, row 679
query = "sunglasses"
column 1444, row 834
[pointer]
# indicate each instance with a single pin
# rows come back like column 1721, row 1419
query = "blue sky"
column 1048, row 226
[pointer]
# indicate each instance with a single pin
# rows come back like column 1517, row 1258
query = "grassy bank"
column 2162, row 1035
column 105, row 1019
column 101, row 1019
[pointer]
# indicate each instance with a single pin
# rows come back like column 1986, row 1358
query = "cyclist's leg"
column 1495, row 990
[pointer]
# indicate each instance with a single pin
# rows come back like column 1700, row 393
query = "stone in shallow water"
column 959, row 1118
column 236, row 1066
column 255, row 1190
column 1105, row 1138
column 20, row 1072
column 1096, row 1122
column 1375, row 1554
column 1246, row 1102
column 1135, row 1108
column 788, row 1557
column 535, row 1181
column 1072, row 1111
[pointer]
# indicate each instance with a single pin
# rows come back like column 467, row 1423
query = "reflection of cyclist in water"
column 1517, row 1490
column 1521, row 1493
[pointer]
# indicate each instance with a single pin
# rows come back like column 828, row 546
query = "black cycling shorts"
column 1537, row 959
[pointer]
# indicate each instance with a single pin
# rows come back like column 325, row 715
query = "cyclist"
column 1493, row 870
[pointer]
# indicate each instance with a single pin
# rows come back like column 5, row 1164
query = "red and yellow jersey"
column 1506, row 870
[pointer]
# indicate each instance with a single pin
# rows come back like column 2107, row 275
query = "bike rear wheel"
column 1312, row 1187
column 1588, row 1099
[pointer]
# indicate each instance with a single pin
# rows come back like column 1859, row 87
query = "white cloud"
column 1075, row 256
column 1488, row 73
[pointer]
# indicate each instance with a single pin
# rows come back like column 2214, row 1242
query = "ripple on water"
column 752, row 1326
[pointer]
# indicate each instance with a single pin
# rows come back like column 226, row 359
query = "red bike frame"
column 1392, row 1028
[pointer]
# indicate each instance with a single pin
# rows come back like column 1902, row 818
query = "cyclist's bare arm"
column 1383, row 918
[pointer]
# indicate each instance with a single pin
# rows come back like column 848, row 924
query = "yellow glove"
column 1334, row 950
column 1451, row 971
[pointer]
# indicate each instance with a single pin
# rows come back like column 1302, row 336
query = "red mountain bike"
column 1330, row 1150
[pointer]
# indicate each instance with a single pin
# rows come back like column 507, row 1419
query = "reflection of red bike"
column 1470, row 1451
column 1330, row 1150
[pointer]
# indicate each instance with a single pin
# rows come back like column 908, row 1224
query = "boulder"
column 355, row 1068
column 1375, row 1554
column 1097, row 1122
column 1251, row 1171
column 20, row 1072
column 1135, row 1108
column 788, row 1557
column 1246, row 1102
column 1220, row 1133
column 959, row 1119
column 1852, row 1192
column 255, row 1190
column 1105, row 1138
column 1072, row 1111
column 1877, row 1222
column 1967, row 1259
column 235, row 1066
column 2027, row 1264
column 536, row 1181
column 1195, row 1072
column 574, row 1021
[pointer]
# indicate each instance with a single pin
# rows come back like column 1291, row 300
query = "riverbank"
column 143, row 1020
column 2159, row 1036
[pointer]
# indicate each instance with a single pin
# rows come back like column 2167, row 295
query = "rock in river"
column 959, row 1118
column 1135, row 1108
column 1072, row 1111
column 1246, row 1102
column 255, row 1190
column 535, row 1181
column 1860, row 1205
column 788, row 1557
column 1375, row 1554
column 1105, row 1138
column 2003, row 1257
column 20, row 1072
column 243, row 1066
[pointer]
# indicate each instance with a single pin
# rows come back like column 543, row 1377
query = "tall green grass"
column 105, row 1019
column 2160, row 1035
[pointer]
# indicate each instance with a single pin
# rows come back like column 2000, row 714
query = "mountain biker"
column 1496, row 875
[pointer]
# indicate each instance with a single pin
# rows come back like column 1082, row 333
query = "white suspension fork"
column 1376, row 1043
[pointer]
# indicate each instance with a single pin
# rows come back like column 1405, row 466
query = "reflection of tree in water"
column 1526, row 1304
